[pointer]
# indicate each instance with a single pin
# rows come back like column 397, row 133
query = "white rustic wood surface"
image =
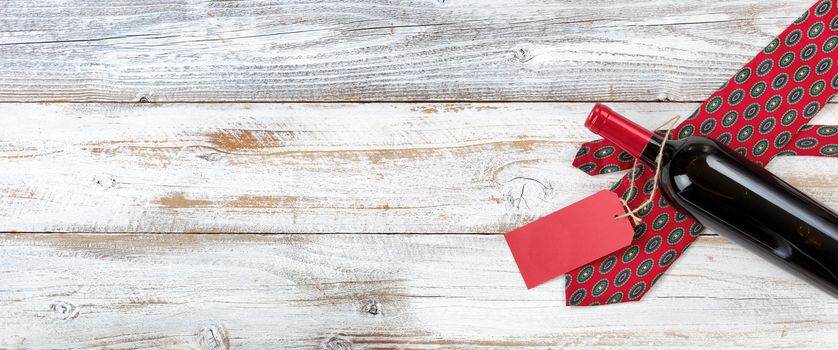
column 106, row 206
column 303, row 168
column 380, row 50
column 377, row 292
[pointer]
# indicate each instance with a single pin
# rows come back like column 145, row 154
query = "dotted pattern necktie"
column 761, row 112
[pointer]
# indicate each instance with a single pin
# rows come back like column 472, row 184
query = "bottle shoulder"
column 694, row 147
column 690, row 160
column 703, row 162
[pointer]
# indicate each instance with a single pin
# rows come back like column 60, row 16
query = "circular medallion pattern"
column 608, row 264
column 585, row 274
column 660, row 221
column 577, row 297
column 637, row 290
column 599, row 288
column 667, row 258
column 622, row 277
column 675, row 236
column 653, row 244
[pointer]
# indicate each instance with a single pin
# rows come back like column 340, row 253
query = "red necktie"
column 761, row 112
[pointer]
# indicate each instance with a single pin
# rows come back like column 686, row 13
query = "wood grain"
column 416, row 50
column 377, row 292
column 308, row 168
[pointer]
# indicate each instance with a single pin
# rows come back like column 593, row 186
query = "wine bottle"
column 732, row 196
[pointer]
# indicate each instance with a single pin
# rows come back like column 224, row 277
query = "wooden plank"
column 309, row 168
column 463, row 50
column 376, row 292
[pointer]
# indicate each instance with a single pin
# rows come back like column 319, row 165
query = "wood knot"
column 144, row 99
column 337, row 343
column 526, row 192
column 63, row 310
column 104, row 181
column 213, row 337
column 372, row 307
column 522, row 55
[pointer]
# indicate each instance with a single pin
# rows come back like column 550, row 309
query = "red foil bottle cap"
column 629, row 136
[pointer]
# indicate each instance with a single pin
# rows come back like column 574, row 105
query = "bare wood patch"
column 177, row 200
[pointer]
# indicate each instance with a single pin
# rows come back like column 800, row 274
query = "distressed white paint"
column 410, row 168
column 374, row 292
column 358, row 168
column 380, row 50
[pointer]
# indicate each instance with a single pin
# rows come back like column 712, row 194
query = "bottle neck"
column 626, row 134
column 653, row 148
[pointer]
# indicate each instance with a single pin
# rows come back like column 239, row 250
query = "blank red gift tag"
column 570, row 237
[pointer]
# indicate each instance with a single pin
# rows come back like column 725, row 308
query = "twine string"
column 633, row 212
